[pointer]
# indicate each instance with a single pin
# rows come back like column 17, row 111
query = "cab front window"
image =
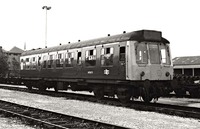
column 154, row 54
column 141, row 53
column 165, row 56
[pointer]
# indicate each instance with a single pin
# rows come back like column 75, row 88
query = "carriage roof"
column 141, row 35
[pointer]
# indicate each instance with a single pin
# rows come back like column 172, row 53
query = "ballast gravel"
column 9, row 123
column 190, row 102
column 105, row 113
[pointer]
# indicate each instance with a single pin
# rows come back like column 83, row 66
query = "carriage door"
column 156, row 72
column 122, row 61
column 79, row 64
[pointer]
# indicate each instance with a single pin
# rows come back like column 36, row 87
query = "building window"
column 196, row 71
column 107, row 56
column 69, row 59
column 90, row 57
column 177, row 71
column 188, row 71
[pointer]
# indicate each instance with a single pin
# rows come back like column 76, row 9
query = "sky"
column 23, row 22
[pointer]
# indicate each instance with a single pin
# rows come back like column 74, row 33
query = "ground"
column 11, row 123
column 116, row 115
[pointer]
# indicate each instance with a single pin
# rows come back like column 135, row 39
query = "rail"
column 48, row 119
column 183, row 111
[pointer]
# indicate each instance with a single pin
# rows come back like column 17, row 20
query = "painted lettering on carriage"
column 106, row 72
column 90, row 72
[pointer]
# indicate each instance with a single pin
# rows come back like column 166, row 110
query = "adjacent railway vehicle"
column 129, row 65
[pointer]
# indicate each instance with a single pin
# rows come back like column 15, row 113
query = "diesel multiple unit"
column 129, row 65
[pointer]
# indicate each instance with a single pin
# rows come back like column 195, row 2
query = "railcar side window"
column 79, row 58
column 59, row 60
column 39, row 59
column 69, row 59
column 50, row 61
column 33, row 63
column 23, row 64
column 122, row 53
column 44, row 61
column 154, row 54
column 90, row 57
column 141, row 53
column 107, row 56
column 27, row 64
column 33, row 59
column 163, row 56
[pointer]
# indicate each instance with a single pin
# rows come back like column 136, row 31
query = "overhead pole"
column 46, row 8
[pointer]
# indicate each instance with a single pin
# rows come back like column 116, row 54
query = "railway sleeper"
column 37, row 116
column 47, row 126
column 49, row 119
column 68, row 125
column 59, row 122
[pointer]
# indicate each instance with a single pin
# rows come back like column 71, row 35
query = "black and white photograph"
column 99, row 64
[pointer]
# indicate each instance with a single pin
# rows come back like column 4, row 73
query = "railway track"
column 183, row 111
column 188, row 112
column 50, row 120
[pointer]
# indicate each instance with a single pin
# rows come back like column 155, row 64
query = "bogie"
column 99, row 93
column 124, row 94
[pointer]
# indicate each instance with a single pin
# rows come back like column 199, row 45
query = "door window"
column 107, row 56
column 90, row 57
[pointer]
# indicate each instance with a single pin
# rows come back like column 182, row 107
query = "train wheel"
column 41, row 85
column 123, row 95
column 180, row 92
column 146, row 95
column 42, row 88
column 145, row 92
column 55, row 88
column 99, row 93
column 194, row 93
column 29, row 87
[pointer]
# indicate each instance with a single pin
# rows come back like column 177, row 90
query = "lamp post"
column 46, row 8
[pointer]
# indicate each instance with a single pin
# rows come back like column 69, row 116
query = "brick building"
column 13, row 60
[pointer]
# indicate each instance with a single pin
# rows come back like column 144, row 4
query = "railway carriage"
column 128, row 65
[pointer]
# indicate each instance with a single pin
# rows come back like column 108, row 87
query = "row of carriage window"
column 106, row 59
